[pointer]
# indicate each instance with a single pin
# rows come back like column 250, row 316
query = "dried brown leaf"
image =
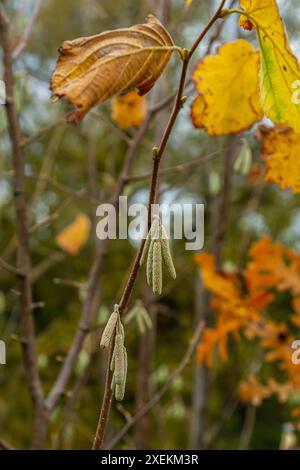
column 91, row 70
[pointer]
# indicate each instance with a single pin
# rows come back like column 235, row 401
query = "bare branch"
column 27, row 33
column 178, row 168
column 107, row 398
column 32, row 138
column 9, row 268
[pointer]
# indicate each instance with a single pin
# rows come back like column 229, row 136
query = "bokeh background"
column 83, row 162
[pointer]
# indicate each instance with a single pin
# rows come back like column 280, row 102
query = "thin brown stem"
column 9, row 268
column 27, row 33
column 157, row 156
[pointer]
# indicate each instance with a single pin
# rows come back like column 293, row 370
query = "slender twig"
column 81, row 194
column 24, row 262
column 157, row 156
column 248, row 427
column 178, row 168
column 11, row 269
column 100, row 118
column 32, row 138
column 93, row 279
column 68, row 282
column 5, row 446
column 159, row 395
column 53, row 216
column 46, row 264
column 27, row 33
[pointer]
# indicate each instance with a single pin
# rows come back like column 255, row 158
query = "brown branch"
column 23, row 262
column 69, row 283
column 159, row 395
column 27, row 33
column 32, row 138
column 100, row 118
column 178, row 168
column 47, row 263
column 81, row 194
column 11, row 269
column 93, row 279
column 5, row 446
column 53, row 216
column 107, row 398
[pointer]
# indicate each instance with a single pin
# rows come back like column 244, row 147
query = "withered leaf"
column 91, row 70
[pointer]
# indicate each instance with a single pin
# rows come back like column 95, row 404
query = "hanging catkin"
column 120, row 388
column 119, row 360
column 118, row 363
column 145, row 249
column 112, row 362
column 166, row 253
column 139, row 314
column 145, row 315
column 157, row 268
column 157, row 251
column 150, row 264
column 109, row 328
column 153, row 234
column 244, row 158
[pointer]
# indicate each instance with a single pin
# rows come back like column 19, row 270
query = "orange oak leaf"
column 280, row 150
column 129, row 110
column 228, row 87
column 273, row 266
column 92, row 69
column 239, row 298
column 253, row 391
column 74, row 236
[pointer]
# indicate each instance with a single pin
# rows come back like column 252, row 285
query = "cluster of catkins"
column 140, row 315
column 118, row 363
column 157, row 251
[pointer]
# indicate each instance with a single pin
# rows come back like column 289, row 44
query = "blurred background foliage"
column 70, row 154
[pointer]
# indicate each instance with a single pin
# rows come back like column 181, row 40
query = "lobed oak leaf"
column 279, row 69
column 228, row 88
column 92, row 69
column 129, row 110
column 74, row 236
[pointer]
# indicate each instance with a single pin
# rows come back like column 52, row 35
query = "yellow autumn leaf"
column 280, row 70
column 228, row 88
column 74, row 236
column 280, row 150
column 93, row 69
column 129, row 110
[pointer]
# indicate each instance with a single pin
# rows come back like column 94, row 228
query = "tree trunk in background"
column 146, row 355
column 202, row 310
column 200, row 375
column 221, row 215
